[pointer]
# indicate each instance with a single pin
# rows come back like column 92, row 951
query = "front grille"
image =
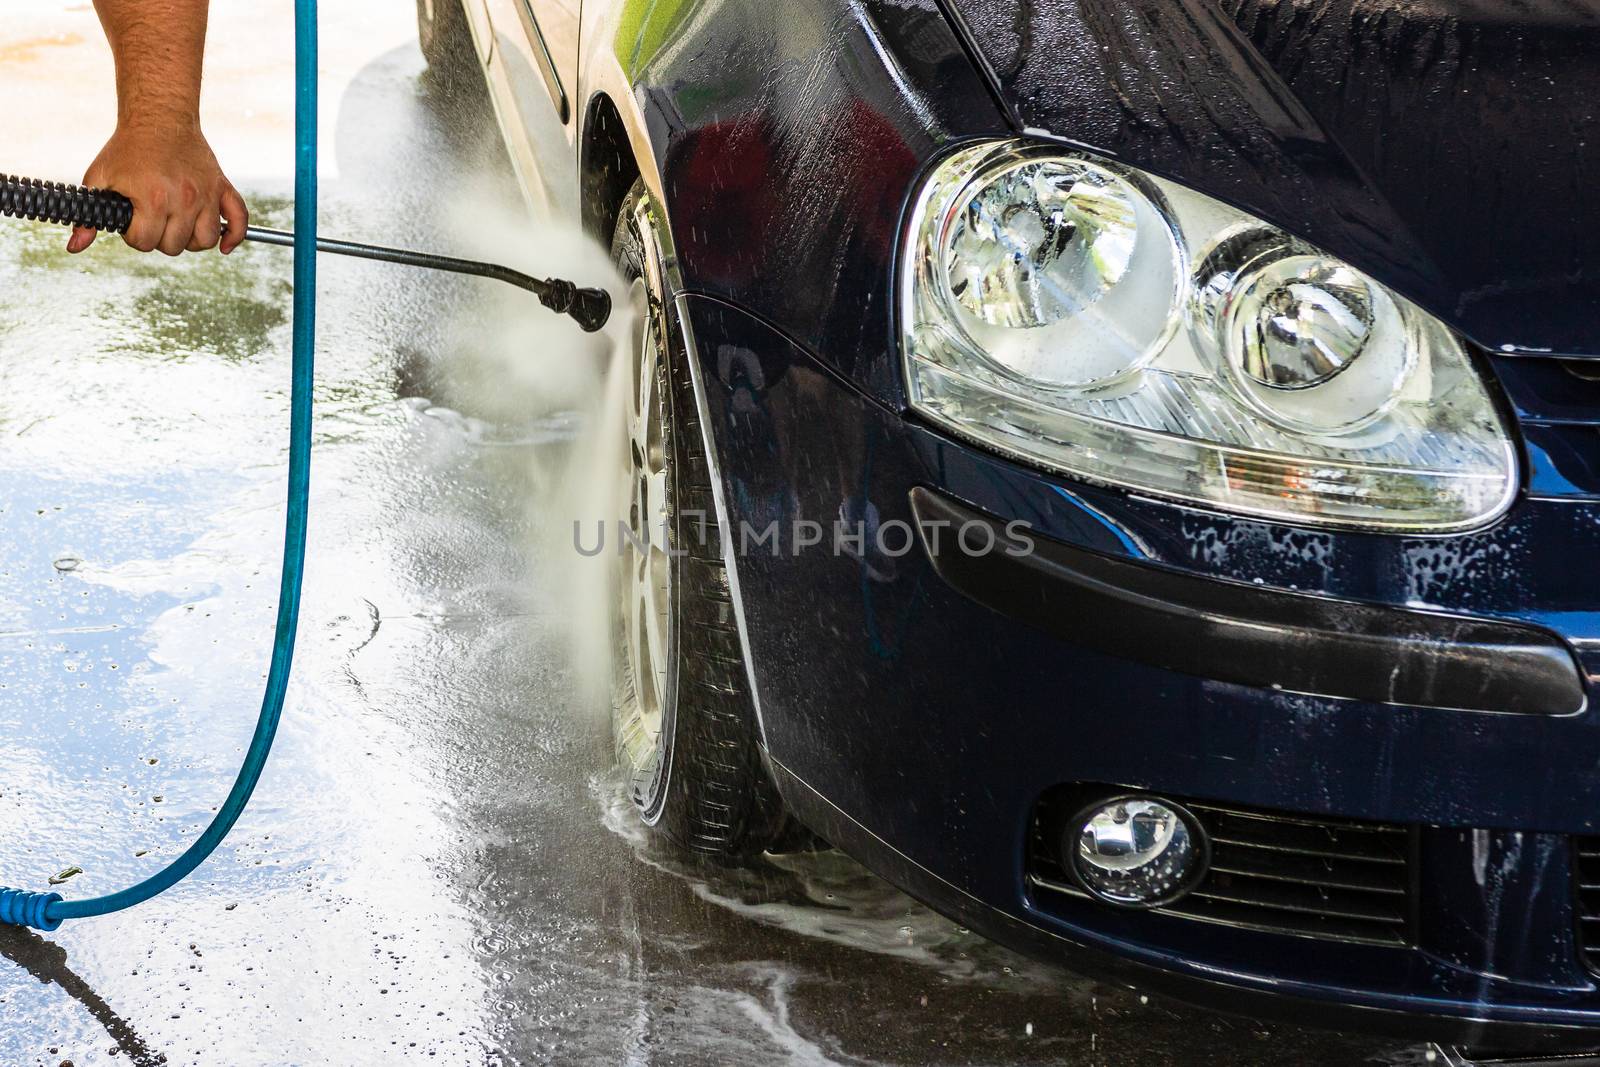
column 1310, row 876
column 1586, row 879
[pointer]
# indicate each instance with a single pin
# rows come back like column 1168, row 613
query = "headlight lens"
column 1126, row 330
column 1063, row 271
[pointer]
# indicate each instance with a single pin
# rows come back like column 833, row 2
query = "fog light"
column 1136, row 852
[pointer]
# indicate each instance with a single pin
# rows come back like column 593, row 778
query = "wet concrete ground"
column 438, row 865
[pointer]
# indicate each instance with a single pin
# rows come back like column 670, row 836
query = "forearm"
column 159, row 48
column 158, row 158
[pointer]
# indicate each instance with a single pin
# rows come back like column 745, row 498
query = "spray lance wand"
column 111, row 212
column 105, row 210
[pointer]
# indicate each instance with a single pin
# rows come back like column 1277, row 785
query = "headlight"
column 1122, row 329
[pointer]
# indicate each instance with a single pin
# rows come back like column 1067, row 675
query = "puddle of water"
column 823, row 895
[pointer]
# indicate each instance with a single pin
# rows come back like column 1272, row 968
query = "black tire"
column 445, row 39
column 716, row 797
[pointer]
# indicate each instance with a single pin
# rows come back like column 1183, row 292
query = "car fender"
column 782, row 143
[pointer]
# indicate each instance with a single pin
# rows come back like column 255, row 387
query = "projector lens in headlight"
column 1308, row 341
column 1119, row 328
column 1300, row 321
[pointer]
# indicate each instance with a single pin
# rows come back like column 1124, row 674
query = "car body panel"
column 538, row 142
column 555, row 41
column 786, row 146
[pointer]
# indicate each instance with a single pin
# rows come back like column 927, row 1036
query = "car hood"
column 1449, row 148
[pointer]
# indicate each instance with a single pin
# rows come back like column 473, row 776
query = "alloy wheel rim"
column 645, row 565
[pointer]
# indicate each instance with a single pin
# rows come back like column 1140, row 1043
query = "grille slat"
column 1334, row 839
column 1317, row 926
column 1586, row 894
column 1325, row 872
column 1329, row 853
column 1340, row 907
column 1298, row 820
column 1284, row 873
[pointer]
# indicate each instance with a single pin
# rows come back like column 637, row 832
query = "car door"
column 550, row 29
column 533, row 72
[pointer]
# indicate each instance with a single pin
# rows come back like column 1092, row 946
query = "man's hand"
column 158, row 158
column 180, row 196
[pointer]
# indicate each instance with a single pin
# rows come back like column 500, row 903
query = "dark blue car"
column 1128, row 471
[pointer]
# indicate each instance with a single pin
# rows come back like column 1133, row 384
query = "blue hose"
column 46, row 911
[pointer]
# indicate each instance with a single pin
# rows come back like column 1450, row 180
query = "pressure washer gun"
column 111, row 212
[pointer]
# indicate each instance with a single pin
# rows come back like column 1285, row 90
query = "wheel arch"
column 607, row 166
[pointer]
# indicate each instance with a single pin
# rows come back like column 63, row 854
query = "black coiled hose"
column 66, row 205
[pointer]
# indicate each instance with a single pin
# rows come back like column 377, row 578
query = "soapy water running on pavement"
column 824, row 895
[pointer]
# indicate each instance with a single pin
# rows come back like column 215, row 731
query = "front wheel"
column 682, row 715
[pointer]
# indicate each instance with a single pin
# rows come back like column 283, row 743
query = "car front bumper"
column 917, row 712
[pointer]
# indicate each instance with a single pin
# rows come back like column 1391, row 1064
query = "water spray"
column 110, row 211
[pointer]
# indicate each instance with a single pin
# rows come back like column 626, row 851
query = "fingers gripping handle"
column 68, row 205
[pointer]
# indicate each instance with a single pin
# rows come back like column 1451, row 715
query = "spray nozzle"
column 589, row 308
